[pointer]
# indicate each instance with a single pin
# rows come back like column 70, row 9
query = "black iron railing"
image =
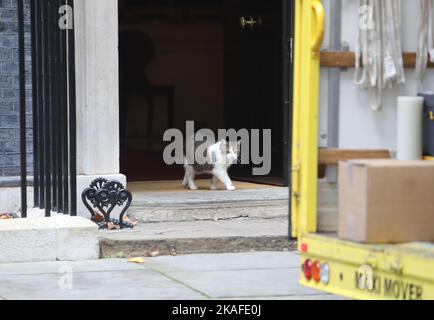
column 54, row 110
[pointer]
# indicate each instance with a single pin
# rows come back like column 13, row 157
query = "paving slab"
column 262, row 275
column 113, row 285
column 76, row 266
column 231, row 261
column 245, row 283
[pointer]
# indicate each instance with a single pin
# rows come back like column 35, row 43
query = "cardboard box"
column 386, row 201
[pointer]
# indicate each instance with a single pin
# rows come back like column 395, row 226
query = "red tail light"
column 307, row 269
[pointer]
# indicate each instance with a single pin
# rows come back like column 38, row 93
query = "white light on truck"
column 325, row 273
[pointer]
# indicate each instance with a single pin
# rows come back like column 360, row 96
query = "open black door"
column 257, row 78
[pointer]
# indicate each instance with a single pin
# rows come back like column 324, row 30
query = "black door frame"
column 289, row 8
column 288, row 77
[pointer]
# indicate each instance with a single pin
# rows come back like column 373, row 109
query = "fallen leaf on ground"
column 128, row 220
column 99, row 217
column 120, row 255
column 152, row 254
column 138, row 260
column 112, row 226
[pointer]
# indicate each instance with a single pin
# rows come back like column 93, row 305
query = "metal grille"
column 54, row 110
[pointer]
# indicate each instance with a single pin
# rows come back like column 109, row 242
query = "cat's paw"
column 214, row 188
column 231, row 188
column 193, row 187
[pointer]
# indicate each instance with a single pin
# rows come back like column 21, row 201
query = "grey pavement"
column 254, row 275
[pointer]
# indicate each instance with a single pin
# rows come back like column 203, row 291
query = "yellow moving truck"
column 361, row 271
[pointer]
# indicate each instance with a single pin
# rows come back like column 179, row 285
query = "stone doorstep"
column 209, row 197
column 213, row 211
column 270, row 203
column 48, row 239
column 172, row 247
column 184, row 206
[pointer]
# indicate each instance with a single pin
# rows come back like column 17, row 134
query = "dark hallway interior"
column 192, row 60
column 171, row 71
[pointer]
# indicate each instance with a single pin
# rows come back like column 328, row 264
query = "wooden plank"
column 333, row 156
column 337, row 59
column 346, row 59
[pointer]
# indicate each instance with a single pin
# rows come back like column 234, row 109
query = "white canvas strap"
column 393, row 72
column 425, row 45
column 379, row 48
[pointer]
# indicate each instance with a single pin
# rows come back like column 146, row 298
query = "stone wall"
column 9, row 93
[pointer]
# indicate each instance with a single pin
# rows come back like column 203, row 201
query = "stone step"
column 179, row 238
column 58, row 238
column 192, row 206
column 268, row 203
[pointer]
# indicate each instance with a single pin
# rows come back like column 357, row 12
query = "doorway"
column 220, row 63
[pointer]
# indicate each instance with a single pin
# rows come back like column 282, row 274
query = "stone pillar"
column 97, row 69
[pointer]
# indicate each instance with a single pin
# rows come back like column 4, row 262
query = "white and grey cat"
column 217, row 159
